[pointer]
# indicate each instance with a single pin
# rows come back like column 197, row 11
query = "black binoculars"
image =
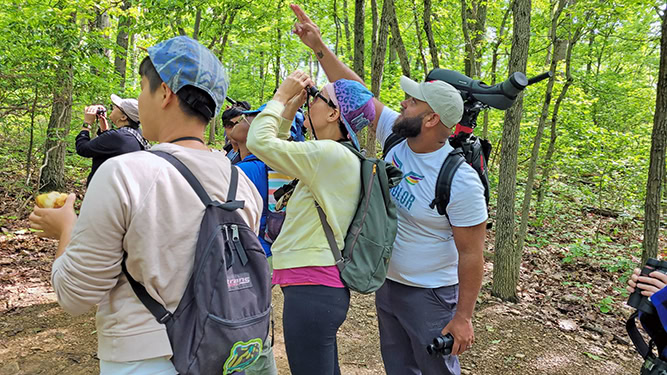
column 312, row 90
column 637, row 300
column 442, row 345
column 101, row 111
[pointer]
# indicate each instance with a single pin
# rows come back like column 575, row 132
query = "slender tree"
column 122, row 39
column 378, row 58
column 656, row 172
column 359, row 16
column 507, row 258
column 429, row 34
column 537, row 142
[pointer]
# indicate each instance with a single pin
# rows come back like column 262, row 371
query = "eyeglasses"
column 315, row 93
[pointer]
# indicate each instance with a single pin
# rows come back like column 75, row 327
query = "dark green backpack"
column 364, row 260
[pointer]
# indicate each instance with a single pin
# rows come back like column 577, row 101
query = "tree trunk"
column 546, row 169
column 378, row 58
column 419, row 39
column 28, row 163
column 494, row 65
column 337, row 24
column 211, row 130
column 122, row 39
column 528, row 190
column 346, row 22
column 507, row 259
column 473, row 16
column 100, row 23
column 656, row 171
column 358, row 65
column 195, row 32
column 225, row 37
column 278, row 47
column 52, row 173
column 397, row 42
column 376, row 21
column 429, row 34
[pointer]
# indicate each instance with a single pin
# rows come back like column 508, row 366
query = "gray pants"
column 409, row 318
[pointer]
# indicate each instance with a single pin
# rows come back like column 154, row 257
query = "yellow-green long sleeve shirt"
column 328, row 173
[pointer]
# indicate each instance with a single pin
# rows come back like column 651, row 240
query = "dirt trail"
column 37, row 337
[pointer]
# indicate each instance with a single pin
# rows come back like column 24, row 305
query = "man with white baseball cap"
column 109, row 143
column 435, row 272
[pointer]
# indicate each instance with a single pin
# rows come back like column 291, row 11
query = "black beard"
column 408, row 127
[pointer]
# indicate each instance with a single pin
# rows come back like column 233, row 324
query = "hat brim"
column 351, row 134
column 412, row 88
column 116, row 100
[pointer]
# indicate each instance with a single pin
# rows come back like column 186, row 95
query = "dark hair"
column 131, row 123
column 343, row 129
column 187, row 96
column 243, row 104
column 147, row 69
column 229, row 114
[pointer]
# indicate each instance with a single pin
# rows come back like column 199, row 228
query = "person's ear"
column 334, row 115
column 168, row 96
column 431, row 120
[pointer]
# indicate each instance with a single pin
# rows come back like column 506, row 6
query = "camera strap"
column 642, row 347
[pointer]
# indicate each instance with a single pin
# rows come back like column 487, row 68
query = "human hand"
column 53, row 222
column 294, row 104
column 90, row 113
column 463, row 333
column 292, row 86
column 306, row 29
column 647, row 284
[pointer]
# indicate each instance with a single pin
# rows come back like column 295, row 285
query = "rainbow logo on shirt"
column 413, row 178
column 396, row 162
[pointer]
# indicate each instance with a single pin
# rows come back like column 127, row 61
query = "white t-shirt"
column 425, row 254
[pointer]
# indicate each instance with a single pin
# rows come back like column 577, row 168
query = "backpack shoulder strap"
column 161, row 314
column 231, row 203
column 331, row 239
column 187, row 174
column 391, row 141
column 443, row 185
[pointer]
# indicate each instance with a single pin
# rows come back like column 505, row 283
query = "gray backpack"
column 222, row 320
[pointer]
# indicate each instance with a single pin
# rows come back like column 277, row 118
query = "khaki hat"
column 129, row 106
column 443, row 98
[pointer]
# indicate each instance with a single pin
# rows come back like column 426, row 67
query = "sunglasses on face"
column 315, row 93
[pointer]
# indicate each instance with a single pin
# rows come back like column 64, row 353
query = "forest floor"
column 570, row 318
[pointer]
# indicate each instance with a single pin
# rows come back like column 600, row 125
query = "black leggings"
column 312, row 315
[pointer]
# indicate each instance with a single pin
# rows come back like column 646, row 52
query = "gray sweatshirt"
column 140, row 203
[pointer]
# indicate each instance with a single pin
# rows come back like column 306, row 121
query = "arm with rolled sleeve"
column 91, row 264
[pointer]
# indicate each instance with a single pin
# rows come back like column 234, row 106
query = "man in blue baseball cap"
column 141, row 206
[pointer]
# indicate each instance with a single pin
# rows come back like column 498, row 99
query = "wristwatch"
column 86, row 125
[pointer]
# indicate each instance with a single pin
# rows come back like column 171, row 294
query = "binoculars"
column 101, row 111
column 637, row 300
column 442, row 345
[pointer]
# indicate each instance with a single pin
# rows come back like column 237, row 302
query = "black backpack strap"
column 443, row 185
column 338, row 256
column 389, row 143
column 189, row 177
column 161, row 314
column 631, row 326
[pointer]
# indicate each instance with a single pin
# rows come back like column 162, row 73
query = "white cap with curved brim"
column 129, row 106
column 442, row 97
